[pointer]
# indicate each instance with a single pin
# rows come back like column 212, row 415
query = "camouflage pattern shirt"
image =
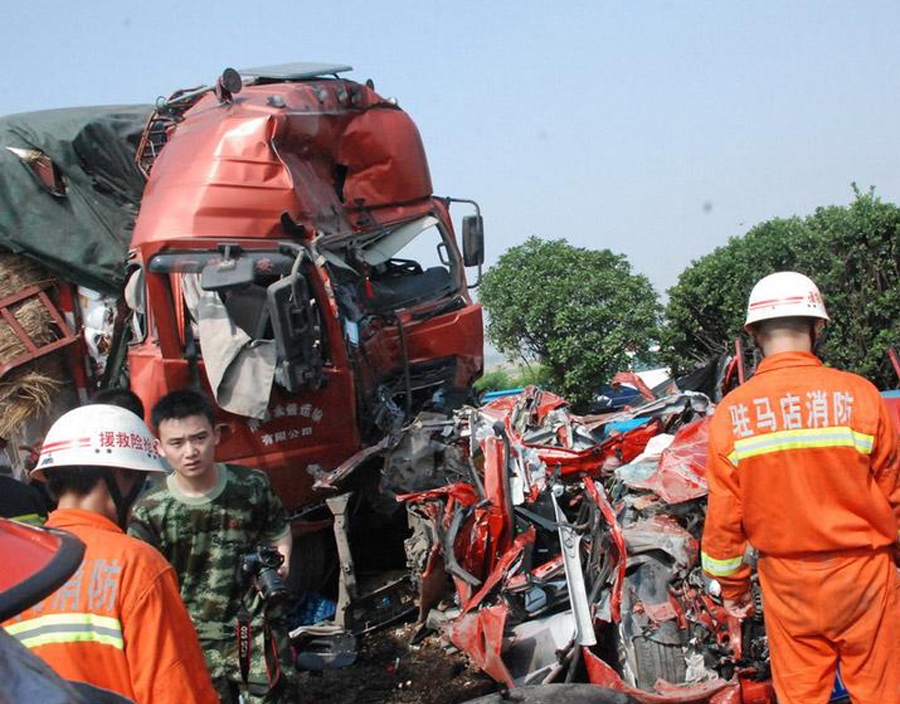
column 204, row 538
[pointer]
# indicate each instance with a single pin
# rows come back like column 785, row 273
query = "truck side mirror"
column 297, row 333
column 473, row 240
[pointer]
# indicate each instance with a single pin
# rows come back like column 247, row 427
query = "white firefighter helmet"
column 785, row 294
column 99, row 435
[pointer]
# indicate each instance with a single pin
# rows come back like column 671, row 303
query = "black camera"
column 262, row 567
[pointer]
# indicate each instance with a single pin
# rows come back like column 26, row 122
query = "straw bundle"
column 27, row 391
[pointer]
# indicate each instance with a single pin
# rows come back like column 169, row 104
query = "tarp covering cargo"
column 69, row 189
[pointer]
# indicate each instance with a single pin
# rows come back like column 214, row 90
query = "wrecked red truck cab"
column 290, row 255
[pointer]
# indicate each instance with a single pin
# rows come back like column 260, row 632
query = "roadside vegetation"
column 580, row 313
column 853, row 254
column 572, row 317
column 513, row 377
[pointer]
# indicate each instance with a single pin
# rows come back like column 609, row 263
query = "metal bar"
column 54, row 313
column 26, row 292
column 22, row 358
column 739, row 356
column 34, row 350
column 347, row 572
column 570, row 542
column 895, row 361
column 17, row 328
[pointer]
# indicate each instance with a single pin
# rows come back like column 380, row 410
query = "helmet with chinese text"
column 99, row 435
column 785, row 294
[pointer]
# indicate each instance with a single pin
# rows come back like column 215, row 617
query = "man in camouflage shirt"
column 204, row 519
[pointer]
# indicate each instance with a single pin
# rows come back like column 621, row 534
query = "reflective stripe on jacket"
column 118, row 622
column 802, row 459
column 68, row 628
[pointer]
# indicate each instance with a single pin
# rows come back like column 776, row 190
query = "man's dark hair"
column 123, row 398
column 182, row 404
column 796, row 323
column 72, row 480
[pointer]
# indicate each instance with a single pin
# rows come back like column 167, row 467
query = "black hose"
column 406, row 377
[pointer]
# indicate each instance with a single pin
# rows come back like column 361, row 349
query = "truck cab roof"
column 297, row 71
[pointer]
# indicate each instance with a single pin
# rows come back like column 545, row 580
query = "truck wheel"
column 651, row 660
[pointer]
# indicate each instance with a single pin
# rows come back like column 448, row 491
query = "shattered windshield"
column 399, row 267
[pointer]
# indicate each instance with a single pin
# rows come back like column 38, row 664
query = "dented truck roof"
column 330, row 152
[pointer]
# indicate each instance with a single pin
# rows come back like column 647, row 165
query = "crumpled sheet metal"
column 331, row 480
column 487, row 545
column 618, row 448
column 532, row 404
column 532, row 648
column 501, row 570
column 480, row 628
column 716, row 692
column 663, row 533
column 480, row 635
column 681, row 473
column 632, row 379
column 618, row 537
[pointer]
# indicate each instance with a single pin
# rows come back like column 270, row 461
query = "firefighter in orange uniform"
column 803, row 466
column 119, row 622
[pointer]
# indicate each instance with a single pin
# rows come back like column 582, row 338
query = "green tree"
column 705, row 310
column 857, row 267
column 581, row 313
column 853, row 254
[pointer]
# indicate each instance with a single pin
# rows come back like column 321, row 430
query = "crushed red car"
column 557, row 548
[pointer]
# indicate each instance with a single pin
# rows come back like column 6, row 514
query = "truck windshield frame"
column 266, row 262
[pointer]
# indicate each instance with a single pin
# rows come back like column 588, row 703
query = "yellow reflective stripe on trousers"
column 801, row 439
column 721, row 568
column 68, row 628
column 32, row 519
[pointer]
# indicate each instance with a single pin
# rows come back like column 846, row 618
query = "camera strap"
column 244, row 642
column 273, row 667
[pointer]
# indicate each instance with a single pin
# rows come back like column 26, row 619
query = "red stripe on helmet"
column 65, row 444
column 775, row 301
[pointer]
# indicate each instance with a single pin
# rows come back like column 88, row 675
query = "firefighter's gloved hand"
column 741, row 607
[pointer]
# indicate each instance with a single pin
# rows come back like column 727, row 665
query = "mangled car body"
column 551, row 547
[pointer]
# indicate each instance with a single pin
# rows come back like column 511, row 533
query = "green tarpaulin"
column 83, row 235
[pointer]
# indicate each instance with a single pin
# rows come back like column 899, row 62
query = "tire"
column 649, row 652
column 652, row 660
column 557, row 694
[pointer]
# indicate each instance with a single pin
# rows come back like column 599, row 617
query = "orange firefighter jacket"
column 802, row 459
column 119, row 621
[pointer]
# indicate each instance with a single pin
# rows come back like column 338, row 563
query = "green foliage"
column 852, row 253
column 534, row 375
column 858, row 270
column 515, row 378
column 495, row 380
column 705, row 311
column 579, row 312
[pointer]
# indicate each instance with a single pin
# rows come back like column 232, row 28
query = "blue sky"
column 656, row 129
